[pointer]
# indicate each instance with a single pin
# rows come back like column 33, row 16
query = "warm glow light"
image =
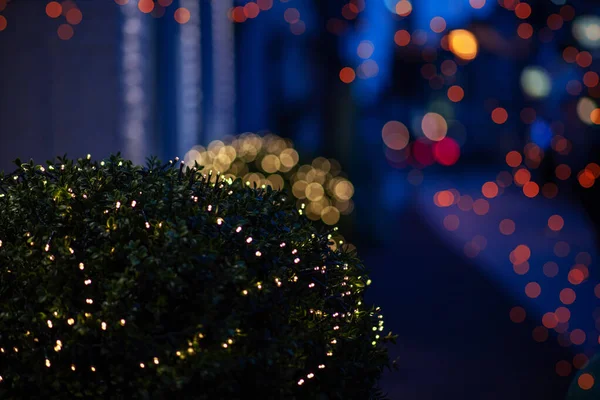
column 463, row 44
column 434, row 126
column 182, row 15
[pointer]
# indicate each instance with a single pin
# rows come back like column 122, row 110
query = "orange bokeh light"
column 402, row 38
column 182, row 15
column 499, row 115
column 445, row 198
column 522, row 176
column 403, row 8
column 585, row 381
column 53, row 9
column 455, row 93
column 489, row 190
column 3, row 23
column 146, row 6
column 477, row 4
column 525, row 30
column 586, row 178
column 595, row 116
column 514, row 159
column 347, row 75
column 523, row 10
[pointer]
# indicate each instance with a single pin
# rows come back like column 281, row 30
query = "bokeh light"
column 463, row 44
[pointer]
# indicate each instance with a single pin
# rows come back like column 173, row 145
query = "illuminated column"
column 189, row 108
column 136, row 76
column 222, row 116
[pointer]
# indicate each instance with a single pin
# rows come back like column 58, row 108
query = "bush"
column 118, row 281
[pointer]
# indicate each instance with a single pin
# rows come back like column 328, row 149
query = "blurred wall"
column 58, row 96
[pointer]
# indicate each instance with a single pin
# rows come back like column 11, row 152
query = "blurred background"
column 455, row 143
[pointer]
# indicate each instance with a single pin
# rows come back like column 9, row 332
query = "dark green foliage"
column 170, row 280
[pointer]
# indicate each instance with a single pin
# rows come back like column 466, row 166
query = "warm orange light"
column 146, row 6
column 531, row 189
column 165, row 3
column 499, row 115
column 395, row 135
column 523, row 10
column 402, row 38
column 586, row 178
column 403, row 8
column 445, row 198
column 525, row 30
column 74, row 16
column 455, row 93
column 489, row 190
column 463, row 44
column 594, row 169
column 595, row 116
column 347, row 75
column 182, row 15
column 522, row 176
column 514, row 159
column 585, row 381
column 3, row 23
column 53, row 9
column 238, row 15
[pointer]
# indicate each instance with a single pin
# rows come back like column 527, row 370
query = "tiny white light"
column 89, row 156
column 249, row 240
column 258, row 254
column 49, row 324
column 122, row 322
column 133, row 203
column 142, row 365
column 155, row 360
column 104, row 326
column 89, row 301
column 87, row 281
column 48, row 363
column 70, row 321
column 73, row 367
column 81, row 266
column 282, row 245
column 219, row 221
column 300, row 382
column 147, row 225
column 209, row 207
column 309, row 376
column 296, row 261
column 238, row 229
column 118, row 204
column 47, row 248
column 321, row 366
column 93, row 368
